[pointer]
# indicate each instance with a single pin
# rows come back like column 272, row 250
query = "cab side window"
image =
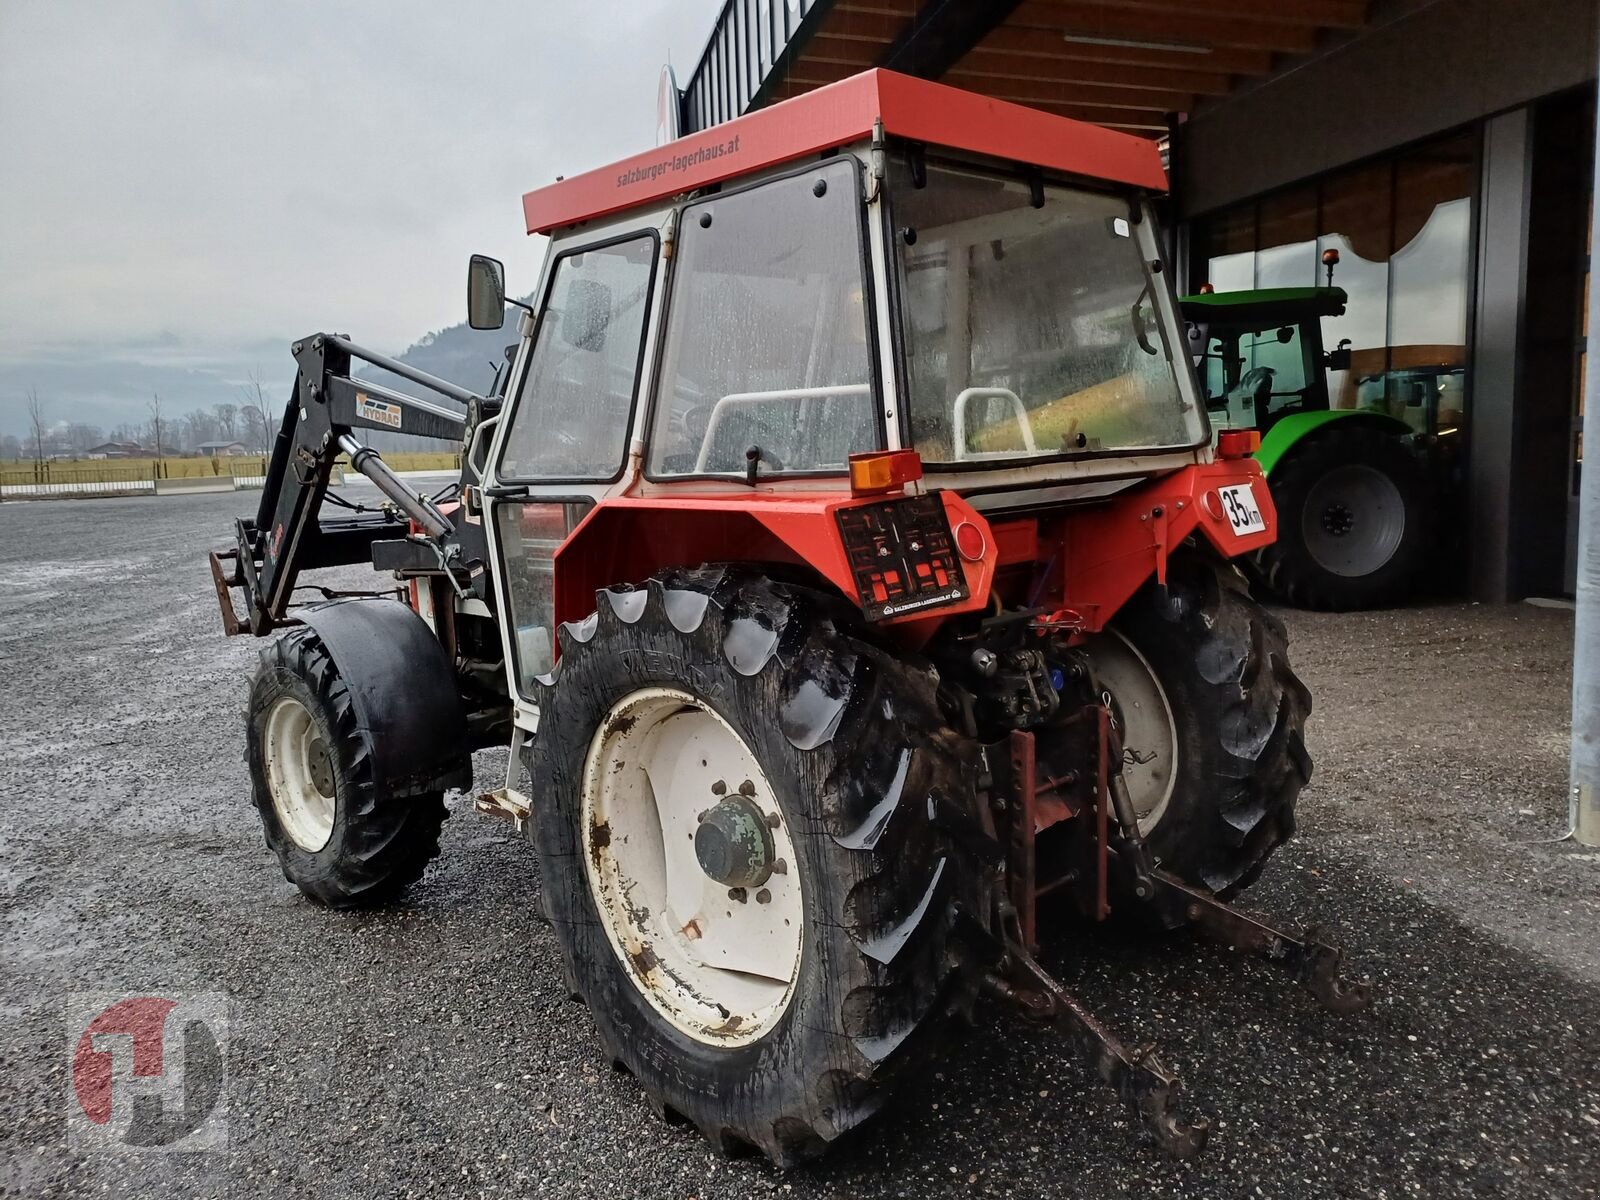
column 576, row 401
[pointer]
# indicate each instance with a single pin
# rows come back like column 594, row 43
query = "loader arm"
column 289, row 534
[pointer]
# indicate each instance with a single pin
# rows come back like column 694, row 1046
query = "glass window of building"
column 1403, row 228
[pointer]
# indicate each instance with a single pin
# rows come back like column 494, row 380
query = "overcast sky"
column 185, row 187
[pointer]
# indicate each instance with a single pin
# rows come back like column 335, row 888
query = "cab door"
column 565, row 436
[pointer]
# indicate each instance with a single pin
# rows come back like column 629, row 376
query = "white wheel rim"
column 720, row 970
column 1149, row 730
column 299, row 774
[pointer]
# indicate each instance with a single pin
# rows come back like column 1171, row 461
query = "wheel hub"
column 1338, row 520
column 733, row 844
column 1353, row 521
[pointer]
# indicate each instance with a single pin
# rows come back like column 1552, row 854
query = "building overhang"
column 1127, row 64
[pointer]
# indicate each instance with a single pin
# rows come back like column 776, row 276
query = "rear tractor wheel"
column 736, row 852
column 339, row 841
column 1352, row 521
column 1212, row 718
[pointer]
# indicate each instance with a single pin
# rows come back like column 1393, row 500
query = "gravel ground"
column 429, row 1049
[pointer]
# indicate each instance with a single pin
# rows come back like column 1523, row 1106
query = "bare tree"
column 195, row 427
column 227, row 418
column 155, row 422
column 36, row 421
column 83, row 437
column 257, row 424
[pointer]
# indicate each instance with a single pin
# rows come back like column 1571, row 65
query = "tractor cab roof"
column 1258, row 308
column 838, row 115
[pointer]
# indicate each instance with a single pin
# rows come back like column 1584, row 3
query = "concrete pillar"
column 1586, row 622
column 1503, row 208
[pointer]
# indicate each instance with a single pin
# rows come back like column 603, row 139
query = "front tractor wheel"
column 338, row 840
column 738, row 858
column 1212, row 718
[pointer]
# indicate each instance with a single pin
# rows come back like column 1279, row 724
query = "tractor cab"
column 886, row 277
column 1259, row 354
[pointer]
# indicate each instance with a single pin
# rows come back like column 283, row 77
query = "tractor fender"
column 403, row 691
column 1294, row 429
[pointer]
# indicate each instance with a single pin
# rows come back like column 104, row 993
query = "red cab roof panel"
column 837, row 115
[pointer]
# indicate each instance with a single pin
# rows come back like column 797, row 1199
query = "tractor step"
column 506, row 804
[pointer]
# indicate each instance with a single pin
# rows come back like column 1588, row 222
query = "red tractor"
column 848, row 565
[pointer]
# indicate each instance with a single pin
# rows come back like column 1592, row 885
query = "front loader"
column 849, row 569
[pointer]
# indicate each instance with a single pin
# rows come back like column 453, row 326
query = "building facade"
column 1443, row 147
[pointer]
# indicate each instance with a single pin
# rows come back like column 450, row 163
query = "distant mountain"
column 460, row 355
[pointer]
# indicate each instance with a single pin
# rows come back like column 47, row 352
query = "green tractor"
column 1354, row 476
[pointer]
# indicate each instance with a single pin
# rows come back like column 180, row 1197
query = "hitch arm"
column 1311, row 962
column 1138, row 1076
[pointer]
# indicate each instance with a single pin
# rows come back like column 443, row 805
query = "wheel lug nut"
column 747, row 788
column 779, row 867
column 763, row 897
column 738, row 895
column 773, row 820
column 718, row 788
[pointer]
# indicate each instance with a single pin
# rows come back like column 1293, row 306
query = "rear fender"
column 1110, row 551
column 1296, row 428
column 629, row 538
column 403, row 690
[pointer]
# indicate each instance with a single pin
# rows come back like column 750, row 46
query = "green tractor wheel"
column 1352, row 521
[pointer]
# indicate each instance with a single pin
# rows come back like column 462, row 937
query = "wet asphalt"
column 429, row 1049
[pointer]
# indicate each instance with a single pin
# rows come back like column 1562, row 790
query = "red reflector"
column 970, row 542
column 1238, row 443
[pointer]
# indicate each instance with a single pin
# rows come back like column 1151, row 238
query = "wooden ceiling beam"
column 1180, row 29
column 1318, row 14
column 1051, row 48
column 1034, row 91
column 1009, row 66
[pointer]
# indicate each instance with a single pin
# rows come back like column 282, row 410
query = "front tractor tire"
column 738, row 855
column 1352, row 521
column 1213, row 722
column 340, row 841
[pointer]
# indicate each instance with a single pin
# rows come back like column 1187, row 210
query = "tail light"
column 1238, row 443
column 883, row 470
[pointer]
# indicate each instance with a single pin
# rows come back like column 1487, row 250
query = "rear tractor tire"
column 737, row 853
column 339, row 841
column 1213, row 722
column 1352, row 521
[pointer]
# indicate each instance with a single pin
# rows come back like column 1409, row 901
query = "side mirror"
column 586, row 315
column 1338, row 359
column 486, row 292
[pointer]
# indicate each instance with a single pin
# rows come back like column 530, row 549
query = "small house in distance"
column 115, row 450
column 221, row 449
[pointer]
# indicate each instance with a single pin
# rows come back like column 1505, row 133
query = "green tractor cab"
column 1349, row 482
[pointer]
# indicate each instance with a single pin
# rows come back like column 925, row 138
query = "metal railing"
column 750, row 38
